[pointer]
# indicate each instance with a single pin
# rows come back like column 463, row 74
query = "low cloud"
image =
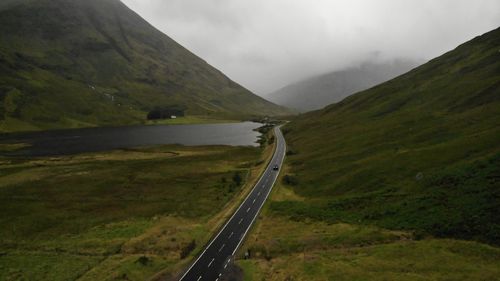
column 265, row 44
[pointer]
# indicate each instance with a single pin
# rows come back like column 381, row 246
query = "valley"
column 118, row 214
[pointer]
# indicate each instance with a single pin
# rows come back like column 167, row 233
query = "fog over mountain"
column 319, row 91
column 266, row 44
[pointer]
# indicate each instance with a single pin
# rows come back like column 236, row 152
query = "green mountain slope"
column 71, row 63
column 420, row 152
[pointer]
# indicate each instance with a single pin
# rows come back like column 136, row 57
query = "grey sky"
column 265, row 44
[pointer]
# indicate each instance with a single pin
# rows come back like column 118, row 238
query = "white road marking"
column 265, row 198
column 222, row 247
column 230, row 235
column 253, row 201
column 248, row 210
column 268, row 173
column 211, row 262
column 240, row 221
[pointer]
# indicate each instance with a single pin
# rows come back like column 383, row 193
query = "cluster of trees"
column 165, row 113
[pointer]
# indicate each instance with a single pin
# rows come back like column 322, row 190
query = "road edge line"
column 234, row 213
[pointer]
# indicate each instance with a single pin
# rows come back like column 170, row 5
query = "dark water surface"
column 63, row 142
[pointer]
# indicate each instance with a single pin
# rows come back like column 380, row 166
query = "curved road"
column 214, row 260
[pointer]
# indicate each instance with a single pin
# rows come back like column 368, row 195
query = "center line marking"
column 230, row 235
column 248, row 210
column 240, row 221
column 253, row 201
column 222, row 247
column 258, row 194
column 198, row 278
column 211, row 262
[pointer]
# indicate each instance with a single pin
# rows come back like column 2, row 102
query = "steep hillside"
column 420, row 152
column 320, row 91
column 72, row 63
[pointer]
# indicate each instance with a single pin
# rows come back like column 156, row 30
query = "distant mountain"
column 420, row 152
column 319, row 91
column 74, row 63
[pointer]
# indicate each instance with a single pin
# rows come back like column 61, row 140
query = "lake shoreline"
column 75, row 141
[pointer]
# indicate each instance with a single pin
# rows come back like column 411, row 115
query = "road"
column 219, row 253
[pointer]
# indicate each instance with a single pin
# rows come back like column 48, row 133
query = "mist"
column 266, row 44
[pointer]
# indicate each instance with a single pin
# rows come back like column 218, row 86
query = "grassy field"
column 120, row 215
column 284, row 249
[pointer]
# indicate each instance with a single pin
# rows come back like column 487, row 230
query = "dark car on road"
column 276, row 167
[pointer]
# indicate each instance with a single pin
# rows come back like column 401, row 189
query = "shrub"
column 237, row 178
column 290, row 180
column 143, row 260
column 188, row 249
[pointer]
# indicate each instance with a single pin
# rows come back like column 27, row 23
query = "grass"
column 10, row 147
column 408, row 260
column 95, row 63
column 123, row 214
column 284, row 249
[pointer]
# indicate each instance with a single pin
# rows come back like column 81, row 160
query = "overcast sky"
column 266, row 44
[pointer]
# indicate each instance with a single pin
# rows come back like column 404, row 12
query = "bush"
column 188, row 249
column 237, row 178
column 143, row 260
column 290, row 180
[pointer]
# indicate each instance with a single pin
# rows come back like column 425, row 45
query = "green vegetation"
column 159, row 113
column 190, row 120
column 420, row 152
column 80, row 63
column 313, row 249
column 124, row 214
column 388, row 183
column 286, row 250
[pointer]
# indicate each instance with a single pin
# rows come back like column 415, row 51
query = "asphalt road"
column 219, row 253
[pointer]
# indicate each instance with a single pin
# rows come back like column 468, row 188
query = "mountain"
column 420, row 152
column 319, row 91
column 74, row 63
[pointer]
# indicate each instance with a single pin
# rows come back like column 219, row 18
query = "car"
column 276, row 167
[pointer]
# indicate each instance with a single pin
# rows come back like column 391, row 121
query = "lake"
column 73, row 141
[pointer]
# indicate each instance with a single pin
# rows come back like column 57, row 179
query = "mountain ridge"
column 74, row 63
column 318, row 91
